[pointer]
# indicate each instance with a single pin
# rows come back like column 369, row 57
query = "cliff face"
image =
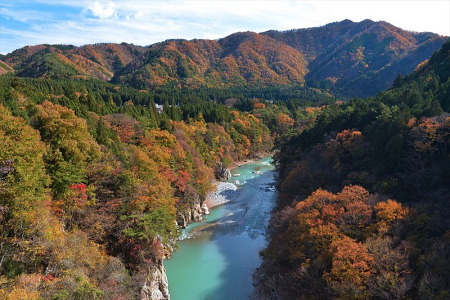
column 192, row 214
column 156, row 285
column 194, row 211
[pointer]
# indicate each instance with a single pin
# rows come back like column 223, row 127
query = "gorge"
column 217, row 257
column 108, row 154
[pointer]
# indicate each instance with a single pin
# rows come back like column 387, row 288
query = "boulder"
column 221, row 172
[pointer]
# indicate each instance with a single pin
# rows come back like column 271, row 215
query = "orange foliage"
column 431, row 135
column 128, row 129
column 284, row 122
column 258, row 105
column 346, row 209
column 352, row 266
column 332, row 226
column 25, row 288
column 60, row 127
column 354, row 193
column 387, row 213
column 284, row 119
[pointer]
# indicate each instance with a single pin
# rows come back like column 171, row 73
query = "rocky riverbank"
column 218, row 197
column 193, row 213
column 156, row 285
column 223, row 251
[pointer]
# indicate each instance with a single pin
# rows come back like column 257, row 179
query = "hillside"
column 363, row 197
column 94, row 180
column 359, row 59
column 347, row 58
column 245, row 58
column 58, row 61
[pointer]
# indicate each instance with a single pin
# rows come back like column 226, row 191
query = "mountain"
column 99, row 61
column 438, row 64
column 5, row 69
column 359, row 59
column 241, row 58
column 347, row 58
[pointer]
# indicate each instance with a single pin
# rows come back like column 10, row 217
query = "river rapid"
column 217, row 257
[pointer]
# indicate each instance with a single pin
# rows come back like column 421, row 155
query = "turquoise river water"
column 217, row 257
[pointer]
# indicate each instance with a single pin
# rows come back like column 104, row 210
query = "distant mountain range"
column 348, row 58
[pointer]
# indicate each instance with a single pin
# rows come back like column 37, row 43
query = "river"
column 217, row 257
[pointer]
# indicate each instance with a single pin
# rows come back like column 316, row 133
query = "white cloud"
column 138, row 15
column 103, row 11
column 25, row 15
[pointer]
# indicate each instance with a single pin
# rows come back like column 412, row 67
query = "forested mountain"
column 5, row 69
column 364, row 193
column 59, row 61
column 350, row 59
column 245, row 58
column 359, row 59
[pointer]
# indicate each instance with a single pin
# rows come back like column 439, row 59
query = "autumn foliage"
column 329, row 240
column 338, row 232
column 89, row 203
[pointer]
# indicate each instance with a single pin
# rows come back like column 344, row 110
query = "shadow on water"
column 219, row 255
column 240, row 237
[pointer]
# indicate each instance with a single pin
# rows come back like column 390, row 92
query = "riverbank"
column 217, row 258
column 255, row 158
column 218, row 196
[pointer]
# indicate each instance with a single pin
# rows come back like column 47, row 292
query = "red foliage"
column 78, row 194
column 128, row 129
column 48, row 277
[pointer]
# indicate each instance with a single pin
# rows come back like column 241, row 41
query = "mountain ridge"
column 365, row 48
column 353, row 59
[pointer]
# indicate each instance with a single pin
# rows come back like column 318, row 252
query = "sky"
column 144, row 22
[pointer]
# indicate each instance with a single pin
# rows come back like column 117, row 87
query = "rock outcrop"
column 221, row 172
column 190, row 214
column 194, row 211
column 156, row 285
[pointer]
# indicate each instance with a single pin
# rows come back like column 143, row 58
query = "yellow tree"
column 71, row 145
column 23, row 190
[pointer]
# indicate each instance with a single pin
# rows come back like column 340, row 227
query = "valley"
column 109, row 155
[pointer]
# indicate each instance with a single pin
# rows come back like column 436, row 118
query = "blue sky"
column 144, row 22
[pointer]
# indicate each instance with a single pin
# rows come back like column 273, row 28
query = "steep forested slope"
column 359, row 59
column 94, row 176
column 239, row 59
column 59, row 61
column 91, row 187
column 364, row 197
